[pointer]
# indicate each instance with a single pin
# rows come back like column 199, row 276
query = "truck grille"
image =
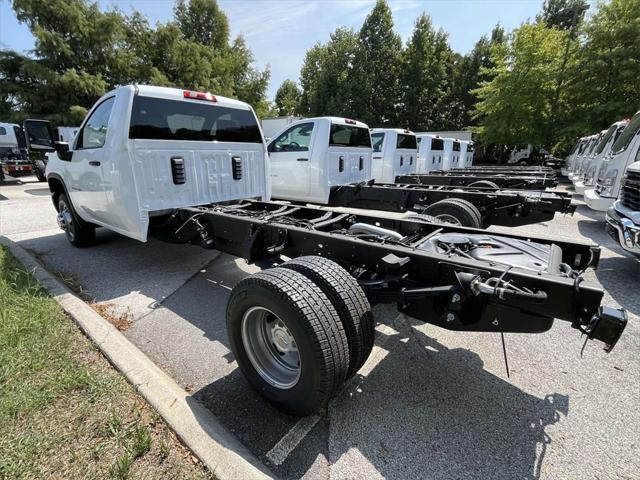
column 630, row 194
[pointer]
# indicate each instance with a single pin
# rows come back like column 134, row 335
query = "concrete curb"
column 196, row 426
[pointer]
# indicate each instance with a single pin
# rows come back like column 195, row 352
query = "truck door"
column 289, row 156
column 84, row 173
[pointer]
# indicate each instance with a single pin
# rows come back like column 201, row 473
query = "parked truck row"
column 604, row 168
column 192, row 167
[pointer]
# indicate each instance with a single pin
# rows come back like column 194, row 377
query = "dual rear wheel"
column 299, row 331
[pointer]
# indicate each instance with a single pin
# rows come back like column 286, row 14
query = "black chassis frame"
column 443, row 290
column 519, row 171
column 500, row 179
column 499, row 207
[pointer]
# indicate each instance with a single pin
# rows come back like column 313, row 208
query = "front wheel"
column 78, row 232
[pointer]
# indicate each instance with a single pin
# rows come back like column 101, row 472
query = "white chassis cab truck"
column 395, row 152
column 577, row 149
column 586, row 151
column 430, row 153
column 142, row 150
column 623, row 218
column 311, row 156
column 624, row 152
column 327, row 161
column 456, row 156
column 587, row 176
column 189, row 167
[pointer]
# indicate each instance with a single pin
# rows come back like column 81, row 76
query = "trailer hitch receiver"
column 607, row 326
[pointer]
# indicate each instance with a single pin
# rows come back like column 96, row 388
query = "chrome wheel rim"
column 271, row 348
column 65, row 221
column 446, row 218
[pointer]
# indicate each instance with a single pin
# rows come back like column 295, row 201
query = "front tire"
column 78, row 233
column 287, row 339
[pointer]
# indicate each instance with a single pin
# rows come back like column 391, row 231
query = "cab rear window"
column 349, row 136
column 456, row 146
column 162, row 119
column 437, row 144
column 406, row 141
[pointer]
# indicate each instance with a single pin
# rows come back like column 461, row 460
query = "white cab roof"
column 178, row 94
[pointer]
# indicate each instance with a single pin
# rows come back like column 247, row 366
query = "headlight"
column 608, row 182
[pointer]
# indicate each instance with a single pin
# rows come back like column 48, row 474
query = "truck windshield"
column 349, row 136
column 625, row 137
column 377, row 139
column 437, row 144
column 406, row 141
column 162, row 119
column 605, row 140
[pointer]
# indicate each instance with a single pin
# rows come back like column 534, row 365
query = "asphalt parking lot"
column 428, row 403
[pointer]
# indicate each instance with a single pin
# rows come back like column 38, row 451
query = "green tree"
column 326, row 76
column 515, row 105
column 202, row 21
column 376, row 69
column 424, row 77
column 605, row 81
column 287, row 100
column 81, row 52
column 562, row 14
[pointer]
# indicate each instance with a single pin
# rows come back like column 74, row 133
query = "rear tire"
column 456, row 211
column 484, row 184
column 79, row 233
column 295, row 316
column 349, row 301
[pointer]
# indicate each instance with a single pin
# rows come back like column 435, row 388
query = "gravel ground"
column 429, row 403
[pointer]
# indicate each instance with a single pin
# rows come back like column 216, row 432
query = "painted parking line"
column 287, row 444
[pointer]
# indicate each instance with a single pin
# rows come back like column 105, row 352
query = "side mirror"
column 39, row 135
column 62, row 149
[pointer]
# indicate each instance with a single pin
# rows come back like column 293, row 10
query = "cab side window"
column 295, row 139
column 94, row 132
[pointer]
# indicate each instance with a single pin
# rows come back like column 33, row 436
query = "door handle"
column 94, row 163
column 302, row 159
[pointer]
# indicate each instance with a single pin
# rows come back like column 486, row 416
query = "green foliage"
column 425, row 76
column 376, row 69
column 82, row 52
column 326, row 76
column 516, row 105
column 287, row 100
column 562, row 14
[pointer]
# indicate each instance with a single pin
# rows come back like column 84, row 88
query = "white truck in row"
column 192, row 167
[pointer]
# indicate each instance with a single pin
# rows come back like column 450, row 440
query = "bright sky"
column 280, row 32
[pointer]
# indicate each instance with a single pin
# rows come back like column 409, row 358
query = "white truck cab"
column 623, row 218
column 313, row 155
column 452, row 154
column 462, row 159
column 271, row 126
column 12, row 142
column 586, row 151
column 66, row 134
column 625, row 151
column 430, row 153
column 587, row 175
column 395, row 152
column 567, row 169
column 578, row 172
column 142, row 151
column 470, row 152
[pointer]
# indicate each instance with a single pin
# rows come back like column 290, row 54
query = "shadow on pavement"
column 423, row 411
column 615, row 273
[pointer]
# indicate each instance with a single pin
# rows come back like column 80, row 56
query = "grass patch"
column 64, row 411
